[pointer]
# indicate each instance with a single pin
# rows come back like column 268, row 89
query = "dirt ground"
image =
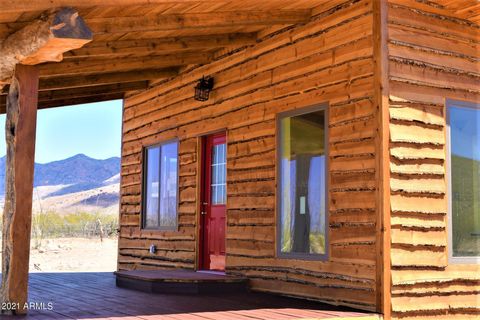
column 73, row 255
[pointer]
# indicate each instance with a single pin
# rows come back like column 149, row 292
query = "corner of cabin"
column 326, row 61
column 433, row 60
column 329, row 61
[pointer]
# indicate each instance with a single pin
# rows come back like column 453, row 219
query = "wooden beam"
column 43, row 40
column 72, row 101
column 162, row 45
column 92, row 66
column 83, row 92
column 83, row 100
column 105, row 78
column 41, row 5
column 17, row 216
column 91, row 91
column 171, row 22
column 48, row 84
column 166, row 22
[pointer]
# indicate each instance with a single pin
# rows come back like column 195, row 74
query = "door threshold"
column 220, row 273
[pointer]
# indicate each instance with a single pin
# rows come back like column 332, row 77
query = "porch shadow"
column 95, row 296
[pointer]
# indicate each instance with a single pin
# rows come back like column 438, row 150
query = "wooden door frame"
column 201, row 145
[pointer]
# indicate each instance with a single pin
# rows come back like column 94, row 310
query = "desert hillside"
column 76, row 184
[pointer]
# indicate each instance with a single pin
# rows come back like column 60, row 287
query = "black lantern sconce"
column 203, row 88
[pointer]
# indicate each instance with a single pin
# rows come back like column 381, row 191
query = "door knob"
column 203, row 212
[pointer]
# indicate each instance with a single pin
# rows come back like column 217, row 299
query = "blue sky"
column 465, row 132
column 92, row 129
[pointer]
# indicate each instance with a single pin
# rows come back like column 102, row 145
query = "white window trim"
column 451, row 258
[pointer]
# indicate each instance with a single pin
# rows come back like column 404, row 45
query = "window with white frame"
column 464, row 181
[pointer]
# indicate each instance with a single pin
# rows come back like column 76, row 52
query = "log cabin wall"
column 432, row 56
column 328, row 60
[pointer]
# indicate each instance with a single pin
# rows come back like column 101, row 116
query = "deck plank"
column 95, row 296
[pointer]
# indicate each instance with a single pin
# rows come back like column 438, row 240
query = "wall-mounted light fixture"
column 203, row 88
column 153, row 249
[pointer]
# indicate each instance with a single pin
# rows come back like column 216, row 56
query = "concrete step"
column 180, row 282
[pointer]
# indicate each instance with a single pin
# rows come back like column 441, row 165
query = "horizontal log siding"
column 327, row 60
column 431, row 57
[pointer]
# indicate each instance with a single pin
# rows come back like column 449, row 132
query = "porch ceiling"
column 137, row 42
column 140, row 42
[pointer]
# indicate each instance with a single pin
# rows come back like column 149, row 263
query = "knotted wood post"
column 20, row 131
column 43, row 40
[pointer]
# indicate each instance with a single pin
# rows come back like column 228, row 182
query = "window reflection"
column 465, row 180
column 161, row 184
column 219, row 174
column 302, row 183
column 152, row 184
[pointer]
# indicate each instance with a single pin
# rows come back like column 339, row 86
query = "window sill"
column 463, row 260
column 156, row 231
column 300, row 256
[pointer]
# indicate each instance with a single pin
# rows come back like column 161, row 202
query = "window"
column 219, row 174
column 160, row 183
column 464, row 168
column 302, row 184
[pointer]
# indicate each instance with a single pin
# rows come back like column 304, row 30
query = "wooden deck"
column 95, row 296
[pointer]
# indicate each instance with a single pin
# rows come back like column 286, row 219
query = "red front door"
column 214, row 196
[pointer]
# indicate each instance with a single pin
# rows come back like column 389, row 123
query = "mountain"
column 76, row 173
column 76, row 184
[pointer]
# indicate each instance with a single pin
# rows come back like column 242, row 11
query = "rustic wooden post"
column 382, row 140
column 43, row 40
column 17, row 217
